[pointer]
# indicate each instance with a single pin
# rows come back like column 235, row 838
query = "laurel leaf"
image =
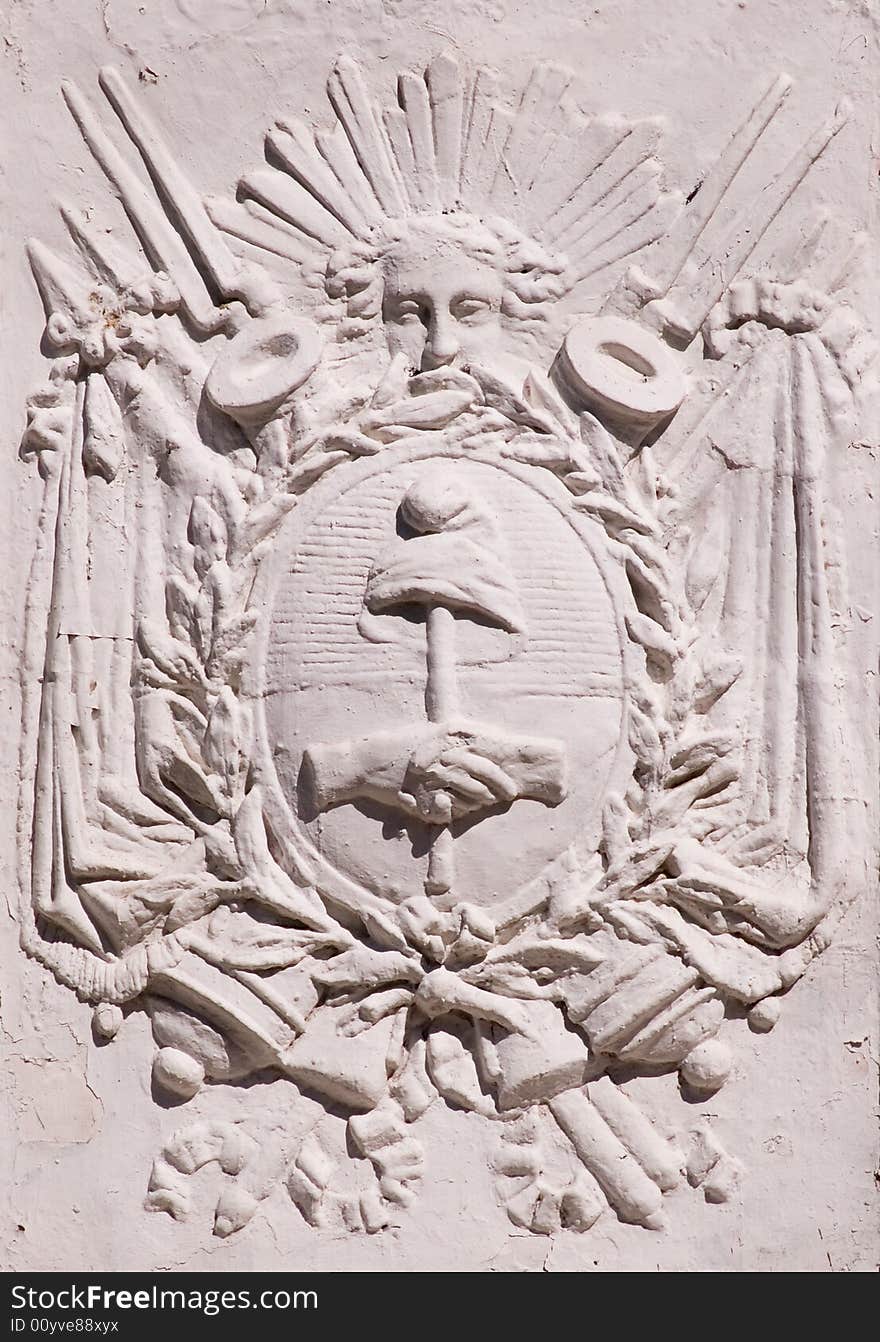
column 547, row 450
column 233, row 633
column 697, row 756
column 644, row 737
column 715, row 779
column 617, row 514
column 579, row 482
column 363, row 967
column 171, row 655
column 229, row 668
column 224, row 740
column 713, row 787
column 273, row 887
column 183, row 768
column 648, row 474
column 207, row 535
column 603, row 454
column 432, row 410
column 615, row 830
column 161, row 892
column 502, row 396
column 189, row 613
column 190, row 723
column 539, row 392
column 658, row 645
column 651, row 554
column 716, row 679
column 650, row 592
column 264, row 948
column 382, row 929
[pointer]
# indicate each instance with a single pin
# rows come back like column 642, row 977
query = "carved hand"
column 437, row 774
column 455, row 770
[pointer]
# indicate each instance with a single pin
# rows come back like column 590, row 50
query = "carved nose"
column 441, row 346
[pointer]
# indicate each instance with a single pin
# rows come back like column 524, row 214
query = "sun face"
column 441, row 304
column 446, row 290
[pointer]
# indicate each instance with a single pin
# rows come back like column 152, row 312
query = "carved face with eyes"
column 441, row 301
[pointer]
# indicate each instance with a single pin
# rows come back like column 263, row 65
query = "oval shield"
column 426, row 616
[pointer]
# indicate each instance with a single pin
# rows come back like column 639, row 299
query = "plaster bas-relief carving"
column 438, row 619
